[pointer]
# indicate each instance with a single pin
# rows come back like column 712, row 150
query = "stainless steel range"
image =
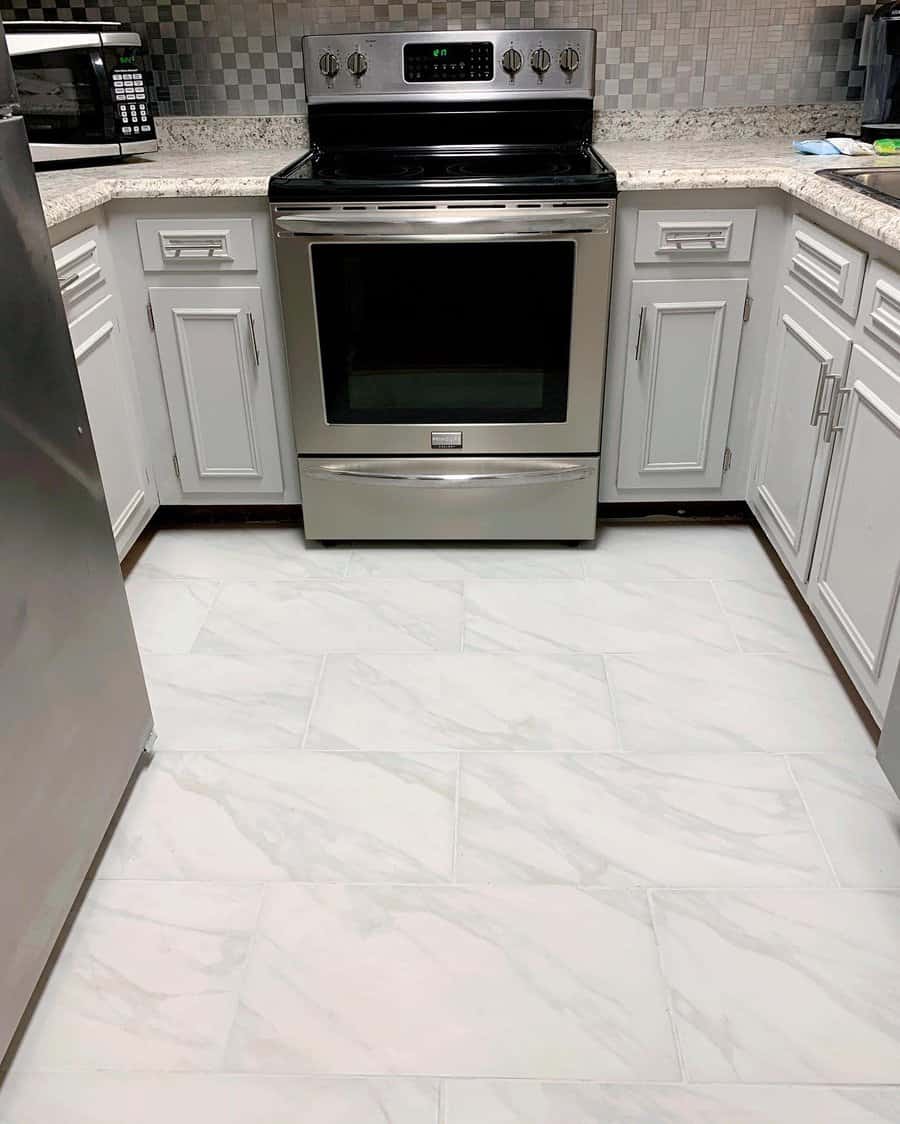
column 444, row 255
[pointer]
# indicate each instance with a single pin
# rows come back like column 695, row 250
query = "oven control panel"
column 449, row 65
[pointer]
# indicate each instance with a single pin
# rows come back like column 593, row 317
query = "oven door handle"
column 554, row 472
column 424, row 224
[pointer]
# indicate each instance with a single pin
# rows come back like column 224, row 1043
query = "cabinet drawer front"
column 857, row 561
column 881, row 306
column 827, row 266
column 691, row 236
column 197, row 245
column 81, row 271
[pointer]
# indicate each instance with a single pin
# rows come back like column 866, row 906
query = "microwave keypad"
column 131, row 102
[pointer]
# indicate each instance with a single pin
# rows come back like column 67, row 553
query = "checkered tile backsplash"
column 229, row 57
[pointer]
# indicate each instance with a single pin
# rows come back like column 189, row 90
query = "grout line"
column 313, row 700
column 812, row 822
column 455, row 828
column 441, row 1106
column 648, row 892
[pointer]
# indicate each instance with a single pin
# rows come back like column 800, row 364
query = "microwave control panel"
column 132, row 110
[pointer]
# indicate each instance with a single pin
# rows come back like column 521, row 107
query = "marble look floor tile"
column 857, row 815
column 531, row 1102
column 468, row 700
column 147, row 980
column 139, row 1098
column 168, row 615
column 449, row 561
column 244, row 553
column 594, row 617
column 766, row 619
column 668, row 820
column 513, row 981
column 784, row 985
column 316, row 616
column 693, row 700
column 266, row 816
column 236, row 701
column 640, row 551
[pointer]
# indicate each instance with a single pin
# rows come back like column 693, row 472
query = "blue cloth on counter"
column 815, row 148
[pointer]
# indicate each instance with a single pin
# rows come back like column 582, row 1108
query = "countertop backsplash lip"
column 232, row 134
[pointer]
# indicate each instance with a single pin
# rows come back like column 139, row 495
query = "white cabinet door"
column 682, row 358
column 807, row 360
column 215, row 368
column 111, row 410
column 856, row 566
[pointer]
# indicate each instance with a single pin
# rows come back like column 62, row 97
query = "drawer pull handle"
column 252, row 328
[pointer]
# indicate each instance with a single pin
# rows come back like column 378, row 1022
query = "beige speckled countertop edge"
column 66, row 195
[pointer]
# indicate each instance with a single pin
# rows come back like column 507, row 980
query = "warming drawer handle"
column 556, row 474
column 398, row 223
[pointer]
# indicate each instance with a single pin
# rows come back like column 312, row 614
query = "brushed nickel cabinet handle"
column 252, row 327
column 640, row 332
column 824, row 376
column 834, row 412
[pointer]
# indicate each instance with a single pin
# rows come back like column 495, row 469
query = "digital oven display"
column 448, row 62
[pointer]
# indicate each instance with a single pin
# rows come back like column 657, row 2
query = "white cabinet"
column 807, row 361
column 215, row 367
column 682, row 353
column 103, row 367
column 856, row 567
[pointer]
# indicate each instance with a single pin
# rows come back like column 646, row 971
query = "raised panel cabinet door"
column 683, row 344
column 807, row 361
column 856, row 566
column 114, row 427
column 215, row 368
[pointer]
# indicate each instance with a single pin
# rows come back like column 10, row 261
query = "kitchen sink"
column 880, row 183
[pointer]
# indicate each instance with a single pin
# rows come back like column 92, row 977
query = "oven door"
column 64, row 94
column 468, row 329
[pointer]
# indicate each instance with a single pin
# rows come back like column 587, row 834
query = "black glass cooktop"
column 539, row 170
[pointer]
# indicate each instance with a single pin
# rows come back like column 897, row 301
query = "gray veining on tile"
column 234, row 701
column 668, row 820
column 168, row 615
column 238, row 554
column 594, row 616
column 549, row 981
column 766, row 619
column 487, row 562
column 136, row 1098
column 660, row 551
column 857, row 815
column 531, row 1102
column 323, row 616
column 780, row 704
column 274, row 816
column 784, row 985
column 148, row 979
column 468, row 700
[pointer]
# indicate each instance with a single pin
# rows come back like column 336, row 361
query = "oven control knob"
column 540, row 61
column 357, row 64
column 511, row 61
column 569, row 60
column 329, row 65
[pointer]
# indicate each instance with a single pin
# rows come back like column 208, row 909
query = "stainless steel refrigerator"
column 74, row 713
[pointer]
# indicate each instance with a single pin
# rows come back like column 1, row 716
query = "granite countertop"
column 761, row 162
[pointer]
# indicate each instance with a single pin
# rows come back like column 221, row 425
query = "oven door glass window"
column 62, row 97
column 444, row 332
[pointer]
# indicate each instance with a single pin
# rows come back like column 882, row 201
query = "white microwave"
column 82, row 88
